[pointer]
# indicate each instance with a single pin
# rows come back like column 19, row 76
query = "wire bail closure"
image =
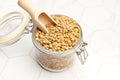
column 82, row 53
column 29, row 28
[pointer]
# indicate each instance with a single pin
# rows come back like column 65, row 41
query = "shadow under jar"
column 58, row 60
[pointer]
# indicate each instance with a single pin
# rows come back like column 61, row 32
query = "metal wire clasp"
column 82, row 53
column 29, row 28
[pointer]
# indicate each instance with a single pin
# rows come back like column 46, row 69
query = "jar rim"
column 43, row 50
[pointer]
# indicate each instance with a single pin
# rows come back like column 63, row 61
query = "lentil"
column 55, row 63
column 60, row 37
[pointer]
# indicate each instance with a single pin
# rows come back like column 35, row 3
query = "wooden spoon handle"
column 28, row 6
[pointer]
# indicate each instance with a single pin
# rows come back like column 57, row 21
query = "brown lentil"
column 61, row 37
column 55, row 63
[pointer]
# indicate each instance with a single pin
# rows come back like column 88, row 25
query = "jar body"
column 55, row 63
column 58, row 61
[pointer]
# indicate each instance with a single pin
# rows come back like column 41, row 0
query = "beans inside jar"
column 61, row 37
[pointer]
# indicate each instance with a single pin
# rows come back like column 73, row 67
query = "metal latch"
column 82, row 53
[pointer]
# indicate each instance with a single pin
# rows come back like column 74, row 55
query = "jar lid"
column 12, row 26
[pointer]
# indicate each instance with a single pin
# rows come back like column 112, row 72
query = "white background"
column 100, row 22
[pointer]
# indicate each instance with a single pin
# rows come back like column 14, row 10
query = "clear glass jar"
column 58, row 61
column 52, row 61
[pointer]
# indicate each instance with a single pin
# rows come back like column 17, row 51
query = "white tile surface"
column 117, row 8
column 87, row 32
column 95, row 17
column 22, row 68
column 91, row 3
column 100, row 23
column 45, row 5
column 107, row 43
column 66, row 75
column 83, row 71
column 116, row 24
column 74, row 11
column 1, row 78
column 12, row 3
column 62, row 4
column 110, row 68
column 21, row 48
column 110, row 5
column 3, row 60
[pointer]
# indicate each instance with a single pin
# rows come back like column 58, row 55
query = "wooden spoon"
column 40, row 19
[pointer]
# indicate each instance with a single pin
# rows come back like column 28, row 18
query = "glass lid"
column 8, row 25
column 12, row 26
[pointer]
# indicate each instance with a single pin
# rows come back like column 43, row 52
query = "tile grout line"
column 73, row 74
column 30, row 53
column 113, row 7
column 4, row 53
column 40, row 74
column 100, row 5
column 18, row 56
column 14, row 56
column 2, row 77
column 4, row 67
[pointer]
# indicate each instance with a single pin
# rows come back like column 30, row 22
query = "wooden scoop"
column 40, row 19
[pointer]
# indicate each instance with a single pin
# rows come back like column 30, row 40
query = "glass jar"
column 57, row 61
column 52, row 61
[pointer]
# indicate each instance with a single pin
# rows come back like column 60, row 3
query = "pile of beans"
column 61, row 37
